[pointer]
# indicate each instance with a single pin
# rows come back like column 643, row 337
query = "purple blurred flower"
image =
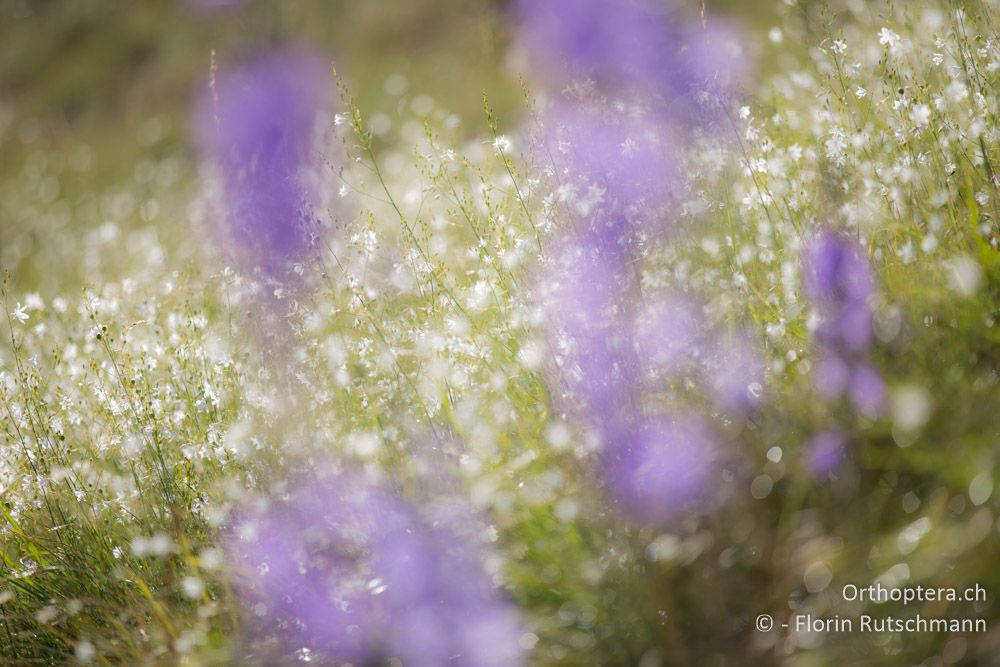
column 836, row 270
column 614, row 43
column 851, row 326
column 590, row 301
column 444, row 608
column 825, row 452
column 675, row 341
column 657, row 468
column 306, row 560
column 616, row 163
column 662, row 468
column 867, row 391
column 617, row 171
column 734, row 372
column 839, row 280
column 256, row 125
column 670, row 335
column 346, row 569
column 832, row 376
column 634, row 44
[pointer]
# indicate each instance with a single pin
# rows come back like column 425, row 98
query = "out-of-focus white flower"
column 965, row 275
column 20, row 312
column 888, row 38
column 921, row 115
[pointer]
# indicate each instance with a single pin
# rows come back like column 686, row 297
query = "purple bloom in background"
column 345, row 568
column 867, row 391
column 715, row 59
column 616, row 44
column 305, row 563
column 634, row 44
column 734, row 370
column 674, row 341
column 670, row 335
column 832, row 376
column 256, row 126
column 837, row 272
column 615, row 162
column 825, row 452
column 839, row 281
column 444, row 608
column 656, row 468
column 590, row 301
column 617, row 170
column 663, row 467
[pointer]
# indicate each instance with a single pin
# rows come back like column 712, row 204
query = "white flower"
column 888, row 38
column 34, row 301
column 744, row 113
column 956, row 91
column 193, row 587
column 836, row 145
column 502, row 144
column 860, row 92
column 920, row 114
column 965, row 274
column 19, row 313
column 84, row 651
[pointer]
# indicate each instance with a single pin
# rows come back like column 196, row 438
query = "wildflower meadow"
column 500, row 334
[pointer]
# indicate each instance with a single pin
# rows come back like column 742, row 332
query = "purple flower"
column 616, row 163
column 825, row 452
column 670, row 335
column 839, row 280
column 675, row 342
column 656, row 468
column 867, row 391
column 851, row 326
column 836, row 272
column 617, row 172
column 305, row 563
column 635, row 44
column 256, row 126
column 444, row 608
column 612, row 42
column 590, row 301
column 345, row 568
column 662, row 468
column 734, row 372
column 832, row 376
